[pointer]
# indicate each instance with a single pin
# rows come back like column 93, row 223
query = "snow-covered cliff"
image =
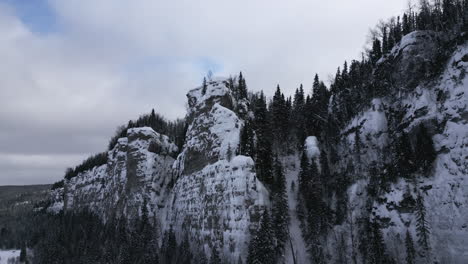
column 132, row 174
column 217, row 197
column 441, row 105
column 207, row 191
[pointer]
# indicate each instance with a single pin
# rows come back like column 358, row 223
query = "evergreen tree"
column 280, row 213
column 376, row 52
column 324, row 169
column 279, row 117
column 298, row 117
column 385, row 44
column 377, row 252
column 264, row 159
column 304, row 174
column 185, row 255
column 22, row 257
column 168, row 247
column 247, row 143
column 242, row 87
column 215, row 258
column 410, row 252
column 404, row 160
column 204, row 87
column 406, row 25
column 261, row 248
column 422, row 226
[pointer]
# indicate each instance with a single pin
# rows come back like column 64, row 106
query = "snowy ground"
column 291, row 167
column 9, row 256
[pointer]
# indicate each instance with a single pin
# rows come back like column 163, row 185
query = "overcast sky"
column 72, row 71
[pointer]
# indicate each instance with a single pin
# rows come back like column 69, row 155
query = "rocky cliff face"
column 217, row 197
column 441, row 105
column 207, row 191
column 213, row 195
column 139, row 168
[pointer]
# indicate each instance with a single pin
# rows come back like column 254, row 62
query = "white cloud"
column 65, row 91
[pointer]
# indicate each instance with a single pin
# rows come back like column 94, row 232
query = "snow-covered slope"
column 441, row 105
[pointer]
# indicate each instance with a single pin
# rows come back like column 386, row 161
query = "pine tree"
column 385, row 45
column 261, row 248
column 247, row 143
column 168, row 247
column 279, row 117
column 204, row 87
column 215, row 258
column 22, row 257
column 280, row 213
column 324, row 169
column 410, row 252
column 406, row 25
column 377, row 252
column 184, row 253
column 242, row 87
column 298, row 117
column 422, row 226
column 376, row 52
column 264, row 159
column 304, row 174
column 404, row 159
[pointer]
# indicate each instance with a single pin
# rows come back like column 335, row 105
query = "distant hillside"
column 16, row 202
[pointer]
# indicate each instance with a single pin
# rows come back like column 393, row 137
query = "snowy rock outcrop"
column 132, row 174
column 217, row 197
column 206, row 191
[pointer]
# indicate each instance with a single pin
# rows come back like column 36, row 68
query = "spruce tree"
column 377, row 252
column 215, row 258
column 385, row 44
column 242, row 87
column 204, row 87
column 422, row 226
column 410, row 252
column 280, row 213
column 376, row 52
column 406, row 25
column 264, row 159
column 168, row 247
column 404, row 159
column 247, row 143
column 22, row 257
column 261, row 248
column 279, row 117
column 304, row 174
column 298, row 115
column 324, row 169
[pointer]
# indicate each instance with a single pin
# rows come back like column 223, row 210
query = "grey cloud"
column 64, row 92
